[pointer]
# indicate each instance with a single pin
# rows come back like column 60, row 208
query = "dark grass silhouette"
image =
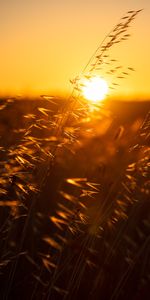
column 74, row 189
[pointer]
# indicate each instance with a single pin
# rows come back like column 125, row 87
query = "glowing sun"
column 95, row 89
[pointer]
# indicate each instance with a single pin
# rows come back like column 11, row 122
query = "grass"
column 75, row 192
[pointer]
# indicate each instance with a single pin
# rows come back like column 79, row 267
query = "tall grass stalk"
column 91, row 224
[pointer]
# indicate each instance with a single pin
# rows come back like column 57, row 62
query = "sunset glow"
column 95, row 89
column 45, row 43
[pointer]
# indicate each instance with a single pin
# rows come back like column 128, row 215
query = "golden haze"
column 45, row 45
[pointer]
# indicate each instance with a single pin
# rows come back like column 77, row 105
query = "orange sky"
column 45, row 43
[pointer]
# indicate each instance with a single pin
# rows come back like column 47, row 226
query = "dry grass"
column 74, row 192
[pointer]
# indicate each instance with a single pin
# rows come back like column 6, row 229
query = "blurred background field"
column 83, row 231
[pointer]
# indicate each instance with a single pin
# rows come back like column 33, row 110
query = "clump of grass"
column 74, row 243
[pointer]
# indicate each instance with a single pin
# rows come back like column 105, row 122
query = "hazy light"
column 95, row 89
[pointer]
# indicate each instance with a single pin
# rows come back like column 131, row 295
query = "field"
column 74, row 172
column 74, row 206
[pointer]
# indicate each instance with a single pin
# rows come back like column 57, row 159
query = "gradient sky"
column 45, row 43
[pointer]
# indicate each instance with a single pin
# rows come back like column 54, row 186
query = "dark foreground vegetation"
column 74, row 200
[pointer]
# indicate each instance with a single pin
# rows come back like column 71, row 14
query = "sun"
column 95, row 89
